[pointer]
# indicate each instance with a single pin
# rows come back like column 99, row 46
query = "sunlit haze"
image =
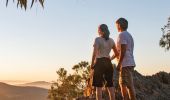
column 35, row 43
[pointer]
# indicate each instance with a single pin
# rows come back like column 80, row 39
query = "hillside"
column 41, row 84
column 9, row 92
column 155, row 87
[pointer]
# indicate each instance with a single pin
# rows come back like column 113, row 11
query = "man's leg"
column 130, row 87
column 123, row 83
column 124, row 92
column 111, row 93
column 98, row 93
column 131, row 93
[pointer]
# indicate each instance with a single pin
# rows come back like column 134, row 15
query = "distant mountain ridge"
column 41, row 84
column 10, row 92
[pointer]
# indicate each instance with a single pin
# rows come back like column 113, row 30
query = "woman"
column 101, row 62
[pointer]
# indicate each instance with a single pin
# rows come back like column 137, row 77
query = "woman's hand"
column 116, row 54
column 118, row 67
column 92, row 66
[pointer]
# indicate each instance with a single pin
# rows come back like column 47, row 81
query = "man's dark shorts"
column 103, row 73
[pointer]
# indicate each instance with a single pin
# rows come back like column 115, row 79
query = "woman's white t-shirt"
column 103, row 47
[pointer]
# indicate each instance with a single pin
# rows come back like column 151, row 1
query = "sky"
column 35, row 43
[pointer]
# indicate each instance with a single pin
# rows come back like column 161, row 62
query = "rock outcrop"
column 155, row 87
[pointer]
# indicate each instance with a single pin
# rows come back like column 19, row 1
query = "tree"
column 57, row 88
column 23, row 3
column 165, row 39
column 70, row 86
column 82, row 69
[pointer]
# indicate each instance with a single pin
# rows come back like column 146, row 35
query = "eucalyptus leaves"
column 165, row 39
column 24, row 3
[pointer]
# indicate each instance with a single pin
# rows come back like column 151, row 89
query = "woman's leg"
column 108, row 76
column 98, row 93
column 111, row 93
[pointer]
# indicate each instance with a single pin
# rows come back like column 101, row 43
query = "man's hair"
column 123, row 23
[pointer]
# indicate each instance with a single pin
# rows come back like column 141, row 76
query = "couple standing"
column 101, row 61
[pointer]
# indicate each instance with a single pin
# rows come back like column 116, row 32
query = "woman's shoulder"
column 98, row 38
column 111, row 39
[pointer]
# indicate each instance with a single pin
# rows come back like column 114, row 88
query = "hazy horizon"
column 35, row 43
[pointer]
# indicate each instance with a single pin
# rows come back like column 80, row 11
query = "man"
column 126, row 63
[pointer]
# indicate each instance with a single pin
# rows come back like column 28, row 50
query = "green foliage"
column 62, row 73
column 165, row 39
column 72, row 85
column 82, row 69
column 23, row 3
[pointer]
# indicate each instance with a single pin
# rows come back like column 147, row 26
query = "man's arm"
column 121, row 56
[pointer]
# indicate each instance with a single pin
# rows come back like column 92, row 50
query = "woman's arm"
column 116, row 54
column 93, row 57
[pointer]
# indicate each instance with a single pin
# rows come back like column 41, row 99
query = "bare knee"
column 111, row 93
column 98, row 93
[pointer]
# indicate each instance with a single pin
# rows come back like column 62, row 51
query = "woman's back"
column 103, row 46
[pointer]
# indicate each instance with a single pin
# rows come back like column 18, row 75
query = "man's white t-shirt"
column 103, row 47
column 126, row 38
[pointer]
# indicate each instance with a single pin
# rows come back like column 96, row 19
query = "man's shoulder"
column 122, row 35
column 125, row 34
